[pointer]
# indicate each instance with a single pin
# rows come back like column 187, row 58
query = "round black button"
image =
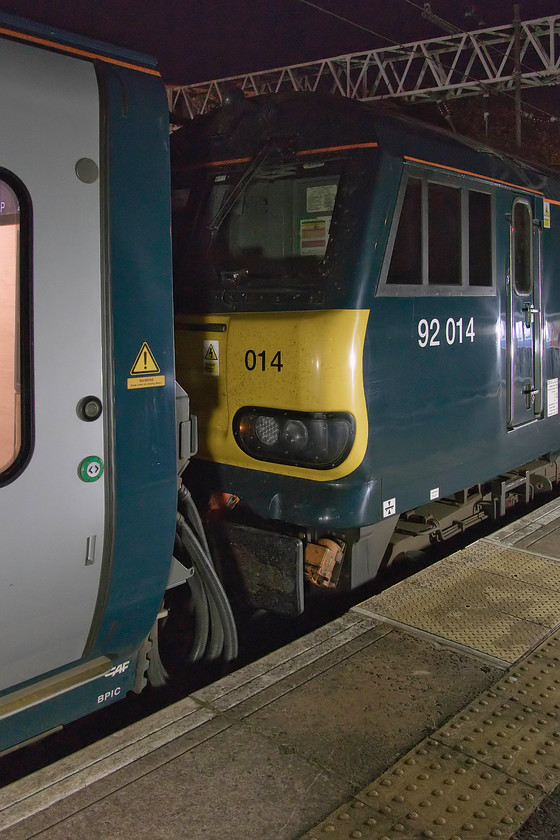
column 89, row 408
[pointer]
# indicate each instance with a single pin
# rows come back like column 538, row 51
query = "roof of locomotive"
column 316, row 121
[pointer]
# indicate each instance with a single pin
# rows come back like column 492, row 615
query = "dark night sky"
column 198, row 40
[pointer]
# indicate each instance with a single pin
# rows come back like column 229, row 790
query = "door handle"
column 529, row 312
column 530, row 392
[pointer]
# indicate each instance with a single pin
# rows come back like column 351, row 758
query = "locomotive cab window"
column 441, row 238
column 255, row 238
column 282, row 219
column 14, row 401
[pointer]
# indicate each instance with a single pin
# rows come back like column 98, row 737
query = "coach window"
column 13, row 364
column 522, row 227
column 441, row 238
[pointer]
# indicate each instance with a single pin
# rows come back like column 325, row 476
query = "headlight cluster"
column 318, row 440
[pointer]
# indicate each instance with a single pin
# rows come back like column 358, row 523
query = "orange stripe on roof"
column 339, row 148
column 43, row 42
column 473, row 174
column 552, row 201
column 232, row 161
column 229, row 162
column 213, row 163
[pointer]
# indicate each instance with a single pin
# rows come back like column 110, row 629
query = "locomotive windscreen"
column 240, row 238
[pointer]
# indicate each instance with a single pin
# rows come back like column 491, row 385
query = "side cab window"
column 441, row 237
column 522, row 247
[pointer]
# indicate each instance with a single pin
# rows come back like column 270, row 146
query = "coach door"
column 52, row 476
column 524, row 327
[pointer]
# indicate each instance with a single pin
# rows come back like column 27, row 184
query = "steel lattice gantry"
column 445, row 67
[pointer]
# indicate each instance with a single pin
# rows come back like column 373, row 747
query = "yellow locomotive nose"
column 280, row 392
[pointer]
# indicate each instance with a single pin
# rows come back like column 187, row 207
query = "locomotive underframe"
column 449, row 517
column 266, row 569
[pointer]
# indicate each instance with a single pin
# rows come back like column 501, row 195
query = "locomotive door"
column 52, row 495
column 524, row 326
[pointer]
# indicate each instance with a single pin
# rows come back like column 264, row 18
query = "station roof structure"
column 451, row 66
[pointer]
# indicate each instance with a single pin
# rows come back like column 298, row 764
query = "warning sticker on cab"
column 144, row 372
column 546, row 213
column 314, row 236
column 211, row 357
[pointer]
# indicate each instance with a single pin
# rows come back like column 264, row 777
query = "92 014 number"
column 433, row 334
column 259, row 361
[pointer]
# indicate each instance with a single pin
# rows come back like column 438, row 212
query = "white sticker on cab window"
column 321, row 199
column 314, row 236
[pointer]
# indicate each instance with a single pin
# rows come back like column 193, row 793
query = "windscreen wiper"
column 266, row 149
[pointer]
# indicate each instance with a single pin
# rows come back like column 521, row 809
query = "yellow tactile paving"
column 439, row 795
column 480, row 776
column 496, row 601
column 516, row 564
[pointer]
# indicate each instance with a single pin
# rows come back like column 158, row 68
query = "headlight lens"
column 295, row 435
column 318, row 440
column 267, row 430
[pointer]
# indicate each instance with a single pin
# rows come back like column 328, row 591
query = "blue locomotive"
column 367, row 321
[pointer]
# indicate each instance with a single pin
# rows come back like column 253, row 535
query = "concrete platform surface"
column 289, row 745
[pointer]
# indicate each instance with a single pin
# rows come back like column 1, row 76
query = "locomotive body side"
column 444, row 248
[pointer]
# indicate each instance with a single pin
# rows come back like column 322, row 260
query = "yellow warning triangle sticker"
column 145, row 362
column 211, row 354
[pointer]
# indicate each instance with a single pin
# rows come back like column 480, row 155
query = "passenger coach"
column 88, row 469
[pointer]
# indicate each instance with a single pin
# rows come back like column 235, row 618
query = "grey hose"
column 156, row 673
column 190, row 512
column 202, row 619
column 214, row 589
column 216, row 645
column 200, row 603
column 223, row 632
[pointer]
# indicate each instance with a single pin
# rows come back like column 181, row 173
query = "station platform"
column 431, row 710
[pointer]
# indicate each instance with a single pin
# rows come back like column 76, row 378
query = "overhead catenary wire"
column 345, row 74
column 347, row 20
column 535, row 108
